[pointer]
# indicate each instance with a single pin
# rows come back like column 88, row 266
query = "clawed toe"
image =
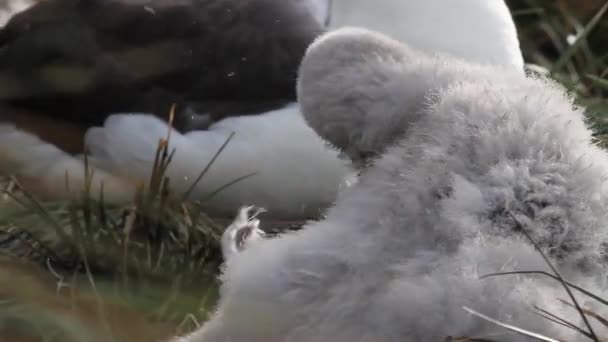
column 243, row 230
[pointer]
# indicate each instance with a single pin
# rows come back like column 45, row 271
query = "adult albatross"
column 80, row 61
column 297, row 175
column 66, row 65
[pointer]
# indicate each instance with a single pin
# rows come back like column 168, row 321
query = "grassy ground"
column 147, row 271
column 86, row 271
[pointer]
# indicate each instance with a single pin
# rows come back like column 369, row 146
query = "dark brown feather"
column 81, row 60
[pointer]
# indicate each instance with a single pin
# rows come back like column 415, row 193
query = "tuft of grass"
column 158, row 256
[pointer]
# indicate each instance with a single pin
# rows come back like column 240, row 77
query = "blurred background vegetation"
column 166, row 280
column 569, row 38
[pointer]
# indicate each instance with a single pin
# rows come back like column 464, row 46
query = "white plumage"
column 479, row 31
column 11, row 8
column 282, row 164
column 54, row 173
